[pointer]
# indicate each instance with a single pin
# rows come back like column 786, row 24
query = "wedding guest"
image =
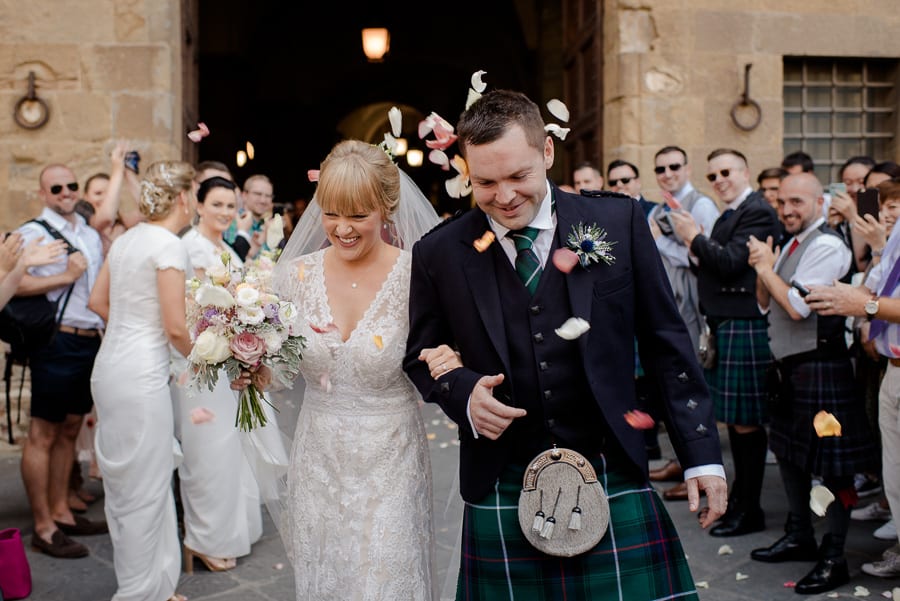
column 140, row 291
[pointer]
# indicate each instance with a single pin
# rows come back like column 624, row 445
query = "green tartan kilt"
column 737, row 382
column 639, row 558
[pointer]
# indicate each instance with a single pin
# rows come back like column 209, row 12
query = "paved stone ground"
column 265, row 574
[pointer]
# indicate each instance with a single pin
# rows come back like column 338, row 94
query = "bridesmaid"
column 222, row 515
column 140, row 294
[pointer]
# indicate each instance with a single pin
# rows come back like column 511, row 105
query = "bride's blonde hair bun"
column 163, row 182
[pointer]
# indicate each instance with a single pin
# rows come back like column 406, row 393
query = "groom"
column 523, row 388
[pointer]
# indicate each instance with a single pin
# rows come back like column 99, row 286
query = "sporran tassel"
column 547, row 530
column 575, row 518
column 538, row 523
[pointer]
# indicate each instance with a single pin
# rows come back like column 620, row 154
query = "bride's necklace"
column 353, row 284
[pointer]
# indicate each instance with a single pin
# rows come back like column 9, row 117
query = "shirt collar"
column 737, row 202
column 686, row 189
column 543, row 220
column 59, row 222
column 805, row 233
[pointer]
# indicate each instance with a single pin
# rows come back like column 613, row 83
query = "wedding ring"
column 443, row 367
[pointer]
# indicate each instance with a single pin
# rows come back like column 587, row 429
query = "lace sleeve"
column 172, row 256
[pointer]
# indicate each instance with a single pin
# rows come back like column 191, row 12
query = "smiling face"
column 890, row 212
column 731, row 177
column 800, row 198
column 95, row 191
column 258, row 197
column 854, row 177
column 509, row 177
column 63, row 201
column 676, row 171
column 617, row 183
column 218, row 209
column 353, row 237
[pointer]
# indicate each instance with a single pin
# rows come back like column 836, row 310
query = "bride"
column 357, row 521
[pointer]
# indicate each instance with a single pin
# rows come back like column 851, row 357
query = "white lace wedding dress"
column 359, row 516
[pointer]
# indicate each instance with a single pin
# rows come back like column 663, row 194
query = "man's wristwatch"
column 871, row 308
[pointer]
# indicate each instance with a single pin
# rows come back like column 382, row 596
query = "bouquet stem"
column 250, row 413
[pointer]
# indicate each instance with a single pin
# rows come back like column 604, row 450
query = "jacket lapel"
column 578, row 281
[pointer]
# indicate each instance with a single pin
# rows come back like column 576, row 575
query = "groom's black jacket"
column 576, row 392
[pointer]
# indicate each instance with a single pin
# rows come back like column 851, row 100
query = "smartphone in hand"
column 132, row 160
column 800, row 288
column 867, row 202
column 836, row 187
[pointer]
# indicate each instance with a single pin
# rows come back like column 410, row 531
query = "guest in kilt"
column 727, row 288
column 813, row 373
column 524, row 388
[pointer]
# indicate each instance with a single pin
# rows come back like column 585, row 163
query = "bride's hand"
column 260, row 377
column 441, row 360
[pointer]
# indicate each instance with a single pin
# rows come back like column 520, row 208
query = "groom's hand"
column 489, row 416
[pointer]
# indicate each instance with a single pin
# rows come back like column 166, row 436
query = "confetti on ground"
column 279, row 566
column 202, row 415
column 739, row 576
column 826, row 424
column 726, row 550
column 451, row 426
column 435, row 422
column 455, row 442
column 701, row 584
column 819, row 499
column 431, row 436
column 564, row 259
column 484, row 242
column 378, row 341
column 572, row 328
column 790, row 584
column 443, row 445
column 861, row 591
column 301, row 271
column 640, row 421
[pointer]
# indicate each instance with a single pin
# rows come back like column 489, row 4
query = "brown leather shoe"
column 670, row 471
column 83, row 527
column 676, row 493
column 60, row 546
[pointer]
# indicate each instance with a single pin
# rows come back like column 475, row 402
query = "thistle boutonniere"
column 590, row 244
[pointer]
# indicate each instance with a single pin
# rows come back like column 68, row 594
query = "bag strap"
column 7, row 375
column 69, row 249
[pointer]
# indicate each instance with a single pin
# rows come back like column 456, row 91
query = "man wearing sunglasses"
column 60, row 371
column 727, row 287
column 623, row 177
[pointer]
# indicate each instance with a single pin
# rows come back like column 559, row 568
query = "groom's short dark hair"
column 490, row 116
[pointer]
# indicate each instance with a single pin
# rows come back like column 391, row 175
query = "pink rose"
column 248, row 348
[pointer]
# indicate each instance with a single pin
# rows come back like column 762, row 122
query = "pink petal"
column 331, row 327
column 565, row 260
column 201, row 415
column 894, row 349
column 203, row 129
column 425, row 127
column 198, row 134
column 671, row 200
column 312, row 175
column 325, row 382
column 439, row 157
column 639, row 420
column 790, row 584
column 441, row 143
column 442, row 129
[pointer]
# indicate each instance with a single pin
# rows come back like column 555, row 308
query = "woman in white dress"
column 140, row 294
column 357, row 522
column 222, row 514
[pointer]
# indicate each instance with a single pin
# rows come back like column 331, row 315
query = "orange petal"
column 826, row 424
column 378, row 341
column 639, row 420
column 564, row 259
column 484, row 242
column 301, row 271
column 201, row 415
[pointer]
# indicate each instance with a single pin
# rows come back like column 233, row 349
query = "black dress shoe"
column 788, row 548
column 827, row 575
column 743, row 522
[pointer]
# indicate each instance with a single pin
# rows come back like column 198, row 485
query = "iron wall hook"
column 755, row 112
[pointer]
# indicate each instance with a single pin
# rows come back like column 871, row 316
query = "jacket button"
column 683, row 377
column 536, row 309
column 543, row 365
column 551, row 423
column 548, row 394
column 701, row 429
column 538, row 337
column 691, row 404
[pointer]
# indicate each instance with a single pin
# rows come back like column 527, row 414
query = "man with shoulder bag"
column 61, row 369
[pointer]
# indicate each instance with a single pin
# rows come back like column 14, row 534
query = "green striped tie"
column 528, row 266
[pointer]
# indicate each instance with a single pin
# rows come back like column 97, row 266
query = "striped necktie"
column 528, row 266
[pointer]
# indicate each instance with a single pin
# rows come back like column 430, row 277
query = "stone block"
column 123, row 68
column 56, row 66
column 675, row 32
column 130, row 21
column 80, row 22
column 133, row 116
column 85, row 116
column 721, row 31
column 637, row 30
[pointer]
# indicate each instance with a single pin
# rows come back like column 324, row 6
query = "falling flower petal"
column 451, row 426
column 279, row 566
column 390, row 142
column 312, row 175
column 671, row 201
column 887, row 594
column 442, row 142
column 726, row 550
column 378, row 341
column 183, row 378
column 565, row 260
column 201, row 415
column 396, row 119
column 325, row 382
column 484, row 242
column 558, row 109
column 894, row 349
column 833, row 595
column 435, row 422
column 439, row 157
column 556, row 130
column 826, row 424
column 443, row 445
column 477, row 84
column 819, row 499
column 637, row 419
column 572, row 328
column 471, row 98
column 331, row 327
column 790, row 584
column 458, row 187
column 740, row 576
column 861, row 591
column 274, row 231
column 198, row 134
column 701, row 584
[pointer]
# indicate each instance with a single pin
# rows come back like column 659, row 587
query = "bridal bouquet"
column 236, row 323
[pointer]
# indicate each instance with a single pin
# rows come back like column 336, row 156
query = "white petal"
column 573, row 328
column 439, row 157
column 274, row 232
column 396, row 120
column 477, row 84
column 391, row 143
column 701, row 584
column 556, row 130
column 726, row 550
column 473, row 96
column 896, row 593
column 739, row 576
column 819, row 499
column 558, row 109
column 861, row 591
column 454, row 187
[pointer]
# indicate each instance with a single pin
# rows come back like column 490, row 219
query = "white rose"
column 251, row 315
column 219, row 274
column 274, row 232
column 273, row 342
column 246, row 296
column 215, row 296
column 210, row 348
column 287, row 313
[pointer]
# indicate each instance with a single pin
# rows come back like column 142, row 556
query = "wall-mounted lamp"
column 241, row 158
column 376, row 42
column 414, row 157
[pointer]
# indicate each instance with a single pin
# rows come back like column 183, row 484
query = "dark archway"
column 284, row 75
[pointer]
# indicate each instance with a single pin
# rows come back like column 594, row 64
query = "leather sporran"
column 563, row 509
column 707, row 351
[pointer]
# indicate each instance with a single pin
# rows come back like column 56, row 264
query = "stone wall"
column 674, row 68
column 108, row 69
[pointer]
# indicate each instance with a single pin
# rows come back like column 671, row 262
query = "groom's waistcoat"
column 547, row 376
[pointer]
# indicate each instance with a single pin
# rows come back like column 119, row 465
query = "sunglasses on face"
column 57, row 188
column 622, row 180
column 713, row 176
column 660, row 169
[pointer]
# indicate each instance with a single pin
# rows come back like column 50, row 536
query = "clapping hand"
column 491, row 417
column 762, row 258
column 839, row 299
column 440, row 360
column 684, row 226
column 76, row 266
column 36, row 254
column 10, row 251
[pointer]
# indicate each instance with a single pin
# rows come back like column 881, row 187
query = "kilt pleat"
column 737, row 382
column 639, row 559
column 829, row 386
